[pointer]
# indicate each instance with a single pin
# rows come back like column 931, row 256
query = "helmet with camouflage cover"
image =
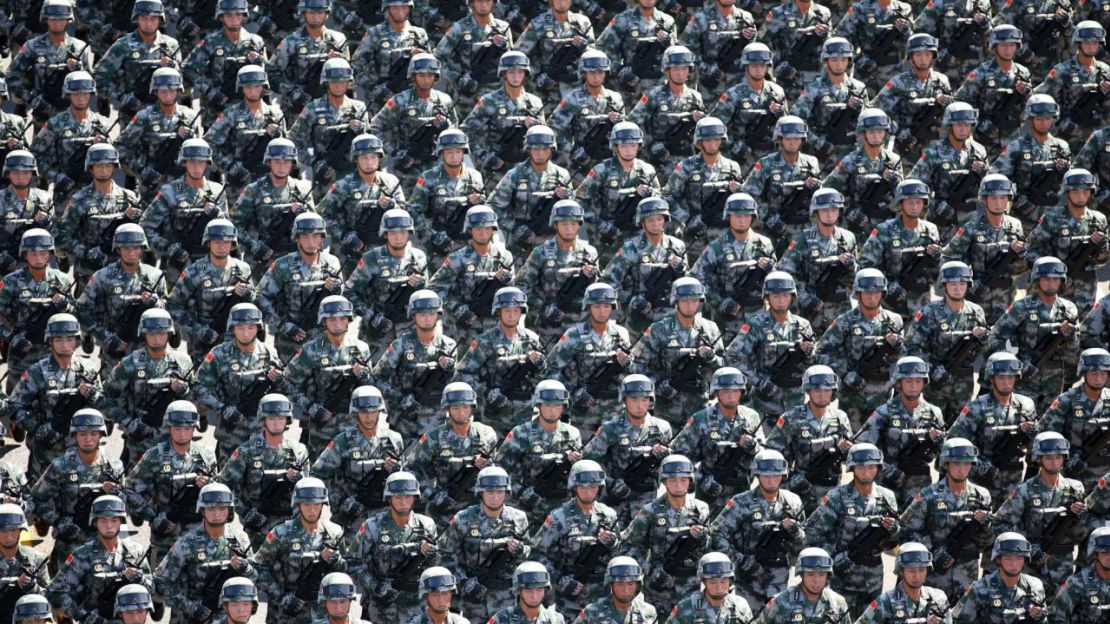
column 400, row 483
column 366, row 144
column 599, row 293
column 1093, row 359
column 779, row 282
column 709, row 128
column 1050, row 443
column 1048, row 266
column 911, row 188
column 60, row 325
column 245, row 313
column 509, row 297
column 1005, row 33
column 922, row 42
column 424, row 300
column 996, row 184
column 148, row 7
column 36, row 239
column 958, row 450
column 306, row 6
column 230, row 7
column 1002, row 363
column 585, row 473
column 336, row 586
column 56, row 9
column 636, row 385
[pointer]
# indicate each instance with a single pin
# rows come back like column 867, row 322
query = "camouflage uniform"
column 37, row 70
column 318, row 373
column 126, row 68
column 465, row 41
column 896, row 605
column 574, row 120
column 26, row 560
column 349, row 465
column 986, row 423
column 935, row 332
column 246, row 472
column 667, row 345
column 466, row 546
column 1027, row 161
column 717, row 40
column 791, row 606
column 382, row 48
column 520, row 199
column 183, row 576
column 989, row 601
column 439, row 455
column 1076, row 416
column 171, row 219
column 694, row 191
column 946, row 169
column 409, row 125
column 803, row 259
column 602, row 611
column 886, row 249
column 529, row 452
column 620, row 445
column 608, row 195
column 990, row 90
column 749, row 120
column 286, row 554
column 1096, row 325
column 549, row 278
column 567, row 534
column 92, row 575
column 464, row 277
column 491, row 361
column 86, row 227
column 495, row 123
column 321, row 129
column 856, row 176
column 789, row 33
column 225, row 378
column 1081, row 599
column 579, row 356
column 406, row 362
column 844, row 344
column 1095, row 157
column 634, row 262
column 1046, row 34
column 136, row 384
column 1068, row 83
column 67, row 484
column 652, row 532
column 378, row 286
column 962, row 43
column 22, row 214
column 438, row 203
column 783, row 217
column 198, row 296
column 708, row 437
column 23, row 299
column 756, row 349
column 805, row 438
column 872, row 27
column 294, row 70
column 913, row 107
column 239, row 137
column 59, row 145
column 264, row 214
column 285, row 291
column 1060, row 233
column 741, row 525
column 351, row 206
column 150, row 144
column 727, row 264
column 662, row 114
column 110, row 292
column 978, row 243
column 623, row 36
column 213, row 64
column 543, row 40
column 824, row 107
column 375, row 556
column 842, row 517
column 1021, row 325
column 892, row 427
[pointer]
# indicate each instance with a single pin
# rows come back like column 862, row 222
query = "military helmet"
column 869, row 280
column 912, row 555
column 740, row 204
column 1088, row 30
column 996, row 184
column 769, row 463
column 335, row 306
column 790, row 127
column 166, row 78
column 864, row 454
column 1002, row 363
column 872, row 119
column 56, row 9
column 280, row 148
column 1011, row 543
column 452, row 138
column 955, row 271
column 194, row 149
column 960, row 113
column 457, row 393
column 436, row 579
column 1094, row 359
column 396, row 220
column 336, row 586
column 676, row 466
column 625, row 133
column 3, row 88
column 215, row 495
column 585, row 473
column 305, row 6
column 636, row 385
column 155, row 320
column 424, row 63
column 1041, row 105
column 837, row 47
column 245, row 313
column 820, row 377
column 513, row 59
column 336, row 69
column 400, row 483
column 814, row 559
column 1099, row 541
column 756, row 53
column 88, row 419
column 107, row 506
column 709, row 128
column 389, row 3
column 477, row 216
column 12, row 517
column 686, row 288
column 909, row 367
column 101, row 154
column 921, row 42
column 677, row 56
column 1077, row 179
column 366, row 144
column 36, row 239
column 1050, row 443
column 593, row 60
column 779, row 282
column 599, row 293
column 531, row 575
column 60, row 325
column 958, row 450
column 225, row 7
column 424, row 300
column 308, row 223
column 540, row 136
column 509, row 297
column 566, row 210
column 181, row 413
column 249, row 75
column 20, row 160
column 1005, row 33
column 910, row 189
column 220, row 229
column 239, row 589
column 825, row 198
column 275, row 405
column 78, row 82
column 714, row 565
column 623, row 569
column 309, row 490
column 32, row 607
column 492, row 479
column 728, row 378
column 650, row 206
column 550, row 392
column 148, row 7
column 1048, row 266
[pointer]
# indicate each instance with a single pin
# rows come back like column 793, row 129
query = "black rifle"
column 1097, row 442
column 1048, row 344
column 406, row 574
column 420, row 145
column 879, row 354
column 771, row 546
column 596, row 138
column 55, row 75
column 516, row 382
column 11, row 592
column 1044, row 181
column 786, row 371
column 657, row 284
column 492, row 571
column 803, row 55
column 824, row 467
column 877, row 191
column 106, row 601
column 1006, row 115
column 923, row 119
column 222, row 309
column 552, row 477
column 68, row 401
column 308, row 582
column 760, row 127
column 961, row 543
column 139, row 83
column 277, row 487
column 681, row 555
column 449, row 212
column 1044, row 33
column 1056, row 539
column 730, row 467
column 601, row 382
column 831, row 278
column 395, row 78
column 624, row 211
column 480, row 299
column 127, row 319
column 73, row 164
column 886, row 47
column 41, row 308
column 562, row 65
column 589, row 564
column 918, row 267
column 253, row 385
column 1008, row 454
column 370, row 212
column 189, row 224
column 647, row 56
column 865, row 549
column 966, row 38
column 920, row 450
column 181, row 508
column 229, row 66
column 573, row 283
column 728, row 47
column 312, row 84
column 429, row 380
column 395, row 305
column 689, row 372
column 370, row 482
column 337, row 394
column 1082, row 254
column 963, row 189
column 998, row 261
column 337, row 151
column 484, row 58
column 712, row 204
column 643, row 470
column 250, row 156
column 747, row 282
column 540, row 205
column 794, row 209
column 161, row 391
column 105, row 223
column 88, row 492
column 1086, row 111
column 164, row 160
column 960, row 356
column 311, row 303
column 215, row 573
column 678, row 132
column 840, row 120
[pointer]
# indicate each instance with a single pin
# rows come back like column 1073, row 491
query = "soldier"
column 915, row 98
column 410, row 121
column 863, row 342
column 183, row 208
column 823, row 258
column 325, row 371
column 359, row 200
column 856, row 521
column 220, row 55
column 960, row 29
column 37, row 70
column 13, row 128
column 142, row 384
column 586, row 115
column 384, row 274
column 630, row 446
column 58, row 145
column 359, row 458
column 29, row 296
column 751, row 107
column 91, row 215
column 24, row 207
column 881, row 31
column 998, row 87
column 470, row 49
column 624, row 579
column 383, row 53
column 238, row 601
column 1036, row 161
column 160, row 482
column 636, row 39
column 1039, row 504
column 263, row 469
column 1047, row 23
column 717, row 35
column 124, row 71
column 761, row 529
column 337, row 595
column 532, row 586
column 558, row 39
column 952, row 167
column 148, row 143
column 92, row 575
column 993, row 244
column 327, row 124
column 483, row 540
column 297, row 65
column 831, row 103
column 437, row 590
column 32, row 608
column 669, row 112
column 470, row 276
column 243, row 130
column 910, row 597
column 590, row 357
column 72, row 481
column 1093, row 328
column 949, row 333
column 446, row 454
column 815, row 437
column 540, row 451
column 783, row 182
column 291, row 290
column 907, row 428
column 443, row 195
column 526, row 194
column 1080, row 85
column 49, row 392
column 647, row 264
column 390, row 547
column 681, row 350
column 1083, row 596
column 1077, row 234
column 868, row 175
column 1092, row 156
column 1042, row 326
column 417, row 365
column 577, row 537
column 234, row 374
column 188, row 575
column 22, row 566
column 797, row 31
column 953, row 518
column 1075, row 415
column 811, row 600
column 502, row 119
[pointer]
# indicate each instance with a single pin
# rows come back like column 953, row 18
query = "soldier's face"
column 1006, row 51
column 740, row 222
column 586, row 494
column 1043, row 125
column 166, row 97
column 678, row 75
column 756, row 71
column 820, row 397
column 311, row 511
column 485, row 7
column 338, row 609
column 1004, row 384
column 875, row 138
column 960, row 131
column 780, row 302
column 310, row 243
column 1048, row 286
column 148, row 24
column 215, row 516
column 337, row 325
column 239, row 611
column 594, row 79
column 38, row 260
column 838, row 66
column 103, row 172
column 1052, row 464
column 9, row 538
column 956, row 291
column 814, row 582
column 912, row 388
column 56, row 26
column 654, row 224
column 870, row 300
column 219, row 248
column 460, row 414
column 398, row 240
column 717, row 588
column 769, row 483
column 628, row 151
column 135, row 616
column 195, row 168
column 368, row 163
column 1096, row 380
column 275, row 425
column 728, row 397
column 315, row 19
column 108, row 528
column 252, row 93
column 711, row 147
column 687, row 308
column 539, row 155
column 493, row 501
column 560, row 6
column 426, row 320
column 637, row 406
column 532, row 597
column 20, row 179
column 424, row 81
column 481, row 235
column 997, row 204
column 63, row 346
column 677, row 486
column 338, row 88
column 551, row 412
column 1102, row 560
column 181, row 435
column 510, row 317
column 1079, row 197
column 828, row 216
column 514, row 77
column 402, row 503
column 567, row 230
column 88, row 441
column 398, row 14
column 1011, row 565
column 79, row 101
column 958, row 471
column 232, row 22
column 922, row 60
column 1089, row 48
column 157, row 340
column 453, row 156
column 865, row 475
column 245, row 334
column 914, row 577
column 600, row 312
column 625, row 591
column 439, row 602
column 791, row 145
column 368, row 420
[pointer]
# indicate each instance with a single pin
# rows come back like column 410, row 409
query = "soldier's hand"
column 820, row 29
column 147, row 296
column 184, row 132
column 622, row 356
column 573, row 455
column 894, row 339
column 1067, row 328
column 569, row 586
column 481, row 461
column 659, row 450
column 855, row 102
column 853, row 381
column 13, row 143
column 697, row 530
column 1021, row 86
column 1028, row 426
column 1097, row 236
column 614, row 116
column 1017, row 246
column 981, row 515
column 319, row 414
column 889, row 522
column 1077, row 507
column 327, row 554
column 179, row 386
column 291, row 605
column 359, row 370
column 788, row 523
column 202, row 480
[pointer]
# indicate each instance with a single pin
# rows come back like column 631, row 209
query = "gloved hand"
column 742, row 151
column 352, row 244
column 217, row 99
column 856, row 219
column 473, row 589
column 659, row 580
column 466, row 85
column 896, row 295
column 187, row 28
column 290, row 331
column 853, row 381
column 442, row 501
column 942, row 561
column 619, row 490
column 865, row 66
column 66, row 530
column 665, row 391
column 129, row 105
column 381, row 324
column 639, row 305
column 798, row 484
column 493, row 162
column 253, row 520
column 939, row 374
column 893, row 476
column 582, row 401
column 238, row 175
column 19, row 346
column 528, row 498
column 63, row 183
column 162, row 525
column 262, row 252
column 384, row 593
column 351, row 507
column 208, row 336
column 769, row 391
column 496, row 400
column 569, row 586
column 607, row 232
column 318, row 414
column 710, row 486
column 729, row 308
column 627, row 79
column 115, row 347
column 440, row 241
column 695, row 227
column 465, row 317
column 323, row 174
column 987, row 129
column 658, row 152
column 580, row 158
column 545, row 83
column 1066, row 127
column 553, row 315
column 843, row 565
column 177, row 255
column 291, row 605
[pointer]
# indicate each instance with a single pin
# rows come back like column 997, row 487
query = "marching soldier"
column 238, row 601
column 470, row 49
column 881, row 30
column 384, row 52
column 716, row 595
column 124, row 72
column 32, row 608
column 910, row 597
column 1083, row 597
column 831, row 103
column 444, row 194
column 624, row 579
column 961, row 30
column 13, row 128
column 867, row 175
column 751, row 107
column 20, row 562
column 296, row 67
column 998, row 87
column 501, row 123
column 1036, row 161
column 783, row 182
column 668, row 112
column 437, row 591
column 24, row 207
column 797, row 31
column 37, row 70
column 635, row 40
column 587, row 115
column 59, row 143
column 1075, row 415
column 811, row 600
column 716, row 34
column 1080, row 84
column 558, row 39
column 337, row 596
column 915, row 98
column 1047, row 23
column 531, row 587
column 242, row 131
column 219, row 56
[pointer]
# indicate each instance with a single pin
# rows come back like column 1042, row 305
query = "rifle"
column 713, row 197
column 657, row 284
column 484, row 57
column 966, row 37
column 1044, row 181
column 230, row 65
column 420, row 145
column 772, row 544
column 601, row 382
column 310, row 305
column 963, row 188
column 397, row 297
column 34, row 325
column 162, row 394
column 312, row 83
column 820, row 469
column 589, row 564
column 127, row 325
column 1056, row 540
column 1096, row 443
column 169, row 144
column 540, row 209
column 681, row 555
column 678, row 134
column 803, row 55
column 74, row 164
column 573, row 283
column 107, row 222
column 406, row 574
column 515, row 381
column 1086, row 109
column 451, row 211
column 337, row 152
column 254, row 384
column 88, row 492
column 961, row 541
column 1006, row 115
column 886, row 47
column 999, row 257
column 1081, row 253
column 760, row 128
column 492, row 571
column 831, row 277
column 923, row 121
column 840, row 121
column 1048, row 344
column 794, row 209
column 369, row 212
column 480, row 300
column 308, row 581
column 395, row 77
column 189, row 224
column 553, row 475
column 55, row 74
column 728, row 47
column 1008, row 454
column 687, row 366
column 747, row 287
column 648, row 55
column 181, row 508
column 877, row 192
column 786, row 371
column 865, row 549
column 872, row 366
column 139, row 85
column 962, row 353
column 339, row 389
column 1044, row 33
column 641, row 473
column 106, row 601
column 222, row 309
column 624, row 212
column 11, row 592
column 215, row 573
column 730, row 466
column 596, row 138
column 68, row 401
column 562, row 65
column 917, row 267
column 277, row 487
column 250, row 156
column 8, row 131
column 368, row 489
column 914, row 458
column 429, row 380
